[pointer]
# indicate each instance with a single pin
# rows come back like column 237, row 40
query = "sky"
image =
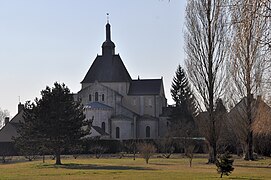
column 47, row 41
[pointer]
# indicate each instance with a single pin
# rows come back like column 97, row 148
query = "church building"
column 121, row 107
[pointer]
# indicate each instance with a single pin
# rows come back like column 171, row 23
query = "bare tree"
column 266, row 14
column 146, row 150
column 239, row 124
column 207, row 50
column 3, row 115
column 249, row 64
column 166, row 145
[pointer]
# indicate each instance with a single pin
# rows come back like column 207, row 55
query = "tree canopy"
column 3, row 115
column 53, row 122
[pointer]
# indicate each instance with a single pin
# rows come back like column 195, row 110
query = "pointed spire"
column 108, row 32
column 108, row 46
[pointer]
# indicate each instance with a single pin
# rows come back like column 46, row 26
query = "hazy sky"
column 44, row 41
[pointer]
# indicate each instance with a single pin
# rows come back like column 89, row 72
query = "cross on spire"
column 107, row 18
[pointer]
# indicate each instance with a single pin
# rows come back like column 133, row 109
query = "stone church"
column 121, row 107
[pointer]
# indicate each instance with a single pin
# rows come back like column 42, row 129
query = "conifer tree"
column 224, row 164
column 186, row 105
column 182, row 93
column 55, row 121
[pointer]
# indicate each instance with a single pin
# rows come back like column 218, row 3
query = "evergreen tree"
column 29, row 143
column 55, row 121
column 224, row 164
column 182, row 93
column 186, row 109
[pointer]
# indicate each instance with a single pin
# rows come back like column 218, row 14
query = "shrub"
column 146, row 150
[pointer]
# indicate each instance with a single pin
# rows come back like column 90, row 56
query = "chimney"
column 6, row 120
column 20, row 107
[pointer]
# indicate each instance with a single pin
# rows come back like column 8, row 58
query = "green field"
column 127, row 168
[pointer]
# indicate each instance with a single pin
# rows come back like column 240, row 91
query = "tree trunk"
column 211, row 83
column 250, row 146
column 58, row 160
column 249, row 153
column 134, row 150
column 211, row 159
column 215, row 151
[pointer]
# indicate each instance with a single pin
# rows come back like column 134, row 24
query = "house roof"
column 100, row 130
column 10, row 129
column 97, row 105
column 145, row 87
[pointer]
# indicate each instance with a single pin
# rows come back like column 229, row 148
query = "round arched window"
column 103, row 126
column 117, row 132
column 96, row 96
column 148, row 132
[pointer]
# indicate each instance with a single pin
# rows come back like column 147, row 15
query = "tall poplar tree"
column 207, row 50
column 250, row 58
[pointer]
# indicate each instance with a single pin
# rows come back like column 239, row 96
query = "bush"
column 98, row 150
column 146, row 150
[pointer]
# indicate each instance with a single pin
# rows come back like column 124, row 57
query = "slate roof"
column 100, row 130
column 98, row 105
column 107, row 69
column 145, row 87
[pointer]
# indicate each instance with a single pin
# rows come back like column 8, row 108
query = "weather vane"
column 107, row 17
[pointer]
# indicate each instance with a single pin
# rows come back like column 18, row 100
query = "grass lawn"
column 127, row 168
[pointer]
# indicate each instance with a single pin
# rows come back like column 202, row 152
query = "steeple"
column 108, row 67
column 108, row 47
column 108, row 33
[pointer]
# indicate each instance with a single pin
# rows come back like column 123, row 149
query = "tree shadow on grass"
column 248, row 178
column 96, row 167
column 252, row 166
column 162, row 164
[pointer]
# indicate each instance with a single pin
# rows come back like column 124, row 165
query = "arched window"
column 102, row 97
column 117, row 132
column 89, row 97
column 96, row 96
column 148, row 132
column 103, row 126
